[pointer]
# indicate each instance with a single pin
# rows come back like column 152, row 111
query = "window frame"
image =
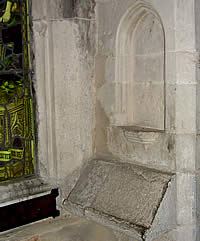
column 45, row 176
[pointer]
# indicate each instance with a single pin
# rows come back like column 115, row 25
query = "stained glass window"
column 16, row 100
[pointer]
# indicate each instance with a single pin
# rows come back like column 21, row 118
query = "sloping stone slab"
column 125, row 193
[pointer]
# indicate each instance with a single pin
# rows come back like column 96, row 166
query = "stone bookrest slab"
column 124, row 195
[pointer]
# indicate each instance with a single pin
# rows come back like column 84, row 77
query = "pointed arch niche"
column 140, row 70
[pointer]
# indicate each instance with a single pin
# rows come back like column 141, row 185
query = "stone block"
column 186, row 67
column 170, row 64
column 165, row 10
column 165, row 219
column 107, row 98
column 149, row 68
column 170, row 111
column 47, row 9
column 110, row 69
column 55, row 9
column 185, row 38
column 100, row 65
column 146, row 117
column 149, row 36
column 68, row 9
column 186, row 199
column 127, row 201
column 186, row 233
column 170, row 39
column 156, row 150
column 186, row 109
column 184, row 13
column 90, row 183
column 38, row 9
column 186, row 152
column 73, row 82
column 79, row 9
column 126, row 193
column 107, row 29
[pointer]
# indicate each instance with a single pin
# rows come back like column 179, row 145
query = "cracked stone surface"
column 128, row 193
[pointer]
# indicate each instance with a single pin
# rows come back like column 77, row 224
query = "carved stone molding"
column 139, row 69
column 146, row 138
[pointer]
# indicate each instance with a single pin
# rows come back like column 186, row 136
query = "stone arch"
column 140, row 69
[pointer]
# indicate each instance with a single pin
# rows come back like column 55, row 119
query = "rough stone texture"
column 124, row 192
column 79, row 9
column 73, row 99
column 165, row 219
column 23, row 190
column 47, row 9
column 64, row 85
column 151, row 149
column 64, row 229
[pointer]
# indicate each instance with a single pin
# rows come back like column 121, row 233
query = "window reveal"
column 16, row 107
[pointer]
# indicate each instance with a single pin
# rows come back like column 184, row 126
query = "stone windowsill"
column 22, row 190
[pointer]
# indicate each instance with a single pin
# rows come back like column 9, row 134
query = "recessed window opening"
column 16, row 98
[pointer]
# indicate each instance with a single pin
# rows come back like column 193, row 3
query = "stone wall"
column 64, row 81
column 175, row 149
column 75, row 67
column 160, row 150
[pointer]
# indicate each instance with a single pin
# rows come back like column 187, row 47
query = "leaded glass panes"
column 16, row 108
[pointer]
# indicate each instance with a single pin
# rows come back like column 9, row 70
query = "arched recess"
column 140, row 69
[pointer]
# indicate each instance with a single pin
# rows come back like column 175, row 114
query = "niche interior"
column 140, row 70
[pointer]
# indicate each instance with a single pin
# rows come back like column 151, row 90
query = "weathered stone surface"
column 126, row 192
column 23, row 190
column 67, row 135
column 90, row 183
column 158, row 152
column 165, row 219
column 80, row 9
column 47, row 9
column 139, row 69
column 74, row 99
column 64, row 229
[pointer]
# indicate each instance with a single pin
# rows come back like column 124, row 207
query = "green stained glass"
column 16, row 105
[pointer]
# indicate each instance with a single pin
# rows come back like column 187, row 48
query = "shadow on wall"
column 79, row 9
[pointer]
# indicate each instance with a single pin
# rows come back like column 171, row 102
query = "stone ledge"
column 24, row 189
column 122, row 196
